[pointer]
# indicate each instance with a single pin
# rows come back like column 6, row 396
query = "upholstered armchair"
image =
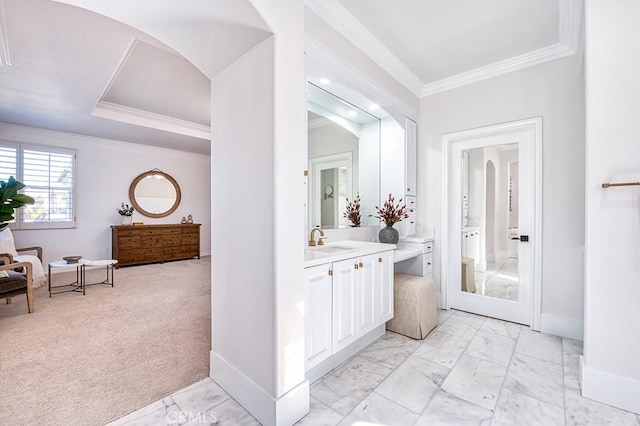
column 33, row 255
column 15, row 283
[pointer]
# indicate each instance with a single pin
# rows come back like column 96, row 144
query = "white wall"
column 369, row 171
column 258, row 300
column 391, row 159
column 611, row 366
column 555, row 91
column 104, row 172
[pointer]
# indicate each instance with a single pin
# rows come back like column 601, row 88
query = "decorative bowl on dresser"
column 134, row 245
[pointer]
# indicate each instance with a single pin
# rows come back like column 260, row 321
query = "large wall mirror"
column 155, row 194
column 344, row 159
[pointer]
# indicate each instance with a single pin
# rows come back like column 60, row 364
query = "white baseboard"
column 333, row 361
column 269, row 411
column 501, row 255
column 610, row 389
column 557, row 325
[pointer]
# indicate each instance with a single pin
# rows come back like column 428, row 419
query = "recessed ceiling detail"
column 412, row 41
column 156, row 88
column 5, row 57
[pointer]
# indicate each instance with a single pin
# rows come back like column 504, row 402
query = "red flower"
column 391, row 213
column 353, row 211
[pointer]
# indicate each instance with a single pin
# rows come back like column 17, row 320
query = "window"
column 49, row 176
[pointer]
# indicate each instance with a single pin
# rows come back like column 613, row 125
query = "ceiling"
column 434, row 45
column 65, row 68
column 68, row 69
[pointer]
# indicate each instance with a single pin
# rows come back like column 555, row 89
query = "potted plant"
column 10, row 199
column 126, row 212
column 391, row 213
column 353, row 211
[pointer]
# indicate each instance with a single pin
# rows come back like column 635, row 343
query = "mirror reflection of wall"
column 344, row 152
column 490, row 182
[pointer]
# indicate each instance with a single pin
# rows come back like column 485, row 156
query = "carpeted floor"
column 86, row 360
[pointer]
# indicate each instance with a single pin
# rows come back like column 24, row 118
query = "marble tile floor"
column 500, row 279
column 471, row 370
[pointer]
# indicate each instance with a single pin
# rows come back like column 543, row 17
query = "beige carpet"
column 86, row 360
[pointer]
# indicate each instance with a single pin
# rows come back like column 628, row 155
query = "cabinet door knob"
column 355, row 266
column 379, row 260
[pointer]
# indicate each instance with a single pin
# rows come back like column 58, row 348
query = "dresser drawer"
column 151, row 240
column 139, row 255
column 171, row 240
column 180, row 252
column 173, row 230
column 134, row 231
column 190, row 238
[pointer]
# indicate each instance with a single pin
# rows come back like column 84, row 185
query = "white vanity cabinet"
column 345, row 301
column 318, row 310
column 410, row 156
column 419, row 263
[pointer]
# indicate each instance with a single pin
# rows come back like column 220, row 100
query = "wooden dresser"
column 133, row 245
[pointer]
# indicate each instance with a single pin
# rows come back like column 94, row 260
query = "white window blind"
column 48, row 174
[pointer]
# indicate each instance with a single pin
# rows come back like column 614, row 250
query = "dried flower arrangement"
column 353, row 211
column 392, row 213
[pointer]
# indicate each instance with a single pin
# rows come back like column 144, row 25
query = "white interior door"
column 503, row 283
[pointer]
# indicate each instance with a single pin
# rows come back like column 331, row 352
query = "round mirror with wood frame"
column 155, row 194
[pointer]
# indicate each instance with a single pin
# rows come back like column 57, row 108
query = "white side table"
column 76, row 286
column 108, row 263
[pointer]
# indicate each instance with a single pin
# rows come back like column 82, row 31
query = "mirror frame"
column 132, row 193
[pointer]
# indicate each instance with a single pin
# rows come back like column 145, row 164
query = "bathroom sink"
column 320, row 252
column 332, row 249
column 314, row 254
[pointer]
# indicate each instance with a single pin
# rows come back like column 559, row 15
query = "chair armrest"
column 6, row 258
column 38, row 250
column 27, row 265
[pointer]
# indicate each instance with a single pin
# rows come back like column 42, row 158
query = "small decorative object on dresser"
column 126, row 213
column 184, row 220
column 190, row 220
column 391, row 213
column 132, row 245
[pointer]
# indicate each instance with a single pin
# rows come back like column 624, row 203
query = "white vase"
column 126, row 220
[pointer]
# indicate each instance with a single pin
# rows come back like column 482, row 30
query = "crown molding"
column 357, row 79
column 338, row 17
column 152, row 120
column 5, row 57
column 527, row 60
column 569, row 30
column 36, row 135
column 343, row 21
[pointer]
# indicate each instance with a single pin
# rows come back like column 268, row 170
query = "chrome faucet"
column 312, row 241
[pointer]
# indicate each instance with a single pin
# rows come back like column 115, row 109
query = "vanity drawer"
column 428, row 247
column 427, row 264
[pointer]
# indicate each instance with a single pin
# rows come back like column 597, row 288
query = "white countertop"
column 341, row 250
